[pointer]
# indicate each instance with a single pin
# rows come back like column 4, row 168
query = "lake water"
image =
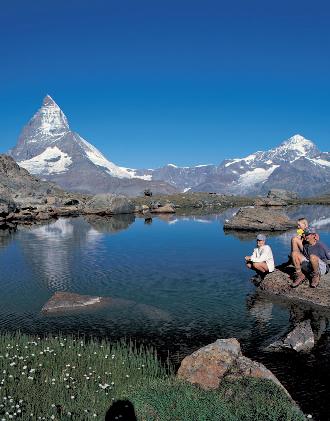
column 179, row 283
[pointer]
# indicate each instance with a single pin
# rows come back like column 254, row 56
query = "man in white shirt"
column 262, row 260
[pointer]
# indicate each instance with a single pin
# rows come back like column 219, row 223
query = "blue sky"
column 156, row 81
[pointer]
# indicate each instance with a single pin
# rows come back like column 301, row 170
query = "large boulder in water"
column 259, row 219
column 109, row 204
column 209, row 365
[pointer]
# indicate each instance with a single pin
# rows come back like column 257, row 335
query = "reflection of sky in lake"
column 186, row 267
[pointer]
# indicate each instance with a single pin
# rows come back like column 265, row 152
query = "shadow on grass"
column 122, row 410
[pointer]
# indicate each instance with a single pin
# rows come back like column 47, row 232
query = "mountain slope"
column 48, row 148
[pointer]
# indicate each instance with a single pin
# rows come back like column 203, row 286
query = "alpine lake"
column 178, row 283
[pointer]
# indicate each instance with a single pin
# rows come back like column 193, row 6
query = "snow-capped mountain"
column 296, row 164
column 48, row 148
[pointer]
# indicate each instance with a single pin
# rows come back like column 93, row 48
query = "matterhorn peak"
column 49, row 102
column 48, row 125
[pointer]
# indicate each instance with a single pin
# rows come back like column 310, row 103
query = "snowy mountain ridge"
column 48, row 148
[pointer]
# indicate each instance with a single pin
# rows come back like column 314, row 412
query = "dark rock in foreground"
column 259, row 219
column 279, row 283
column 209, row 365
column 301, row 338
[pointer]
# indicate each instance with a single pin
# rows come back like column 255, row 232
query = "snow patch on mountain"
column 245, row 160
column 319, row 161
column 100, row 160
column 255, row 176
column 51, row 161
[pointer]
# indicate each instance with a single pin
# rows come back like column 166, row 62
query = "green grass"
column 70, row 379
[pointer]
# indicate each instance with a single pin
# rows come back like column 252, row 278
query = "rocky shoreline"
column 25, row 199
column 278, row 283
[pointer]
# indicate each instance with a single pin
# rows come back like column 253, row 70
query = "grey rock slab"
column 108, row 204
column 281, row 194
column 259, row 219
column 300, row 339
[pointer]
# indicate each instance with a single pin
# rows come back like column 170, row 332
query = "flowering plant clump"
column 61, row 378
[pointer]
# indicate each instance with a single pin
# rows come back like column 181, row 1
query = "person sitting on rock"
column 262, row 260
column 313, row 259
column 297, row 240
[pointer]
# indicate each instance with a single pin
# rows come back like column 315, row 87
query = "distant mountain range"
column 48, row 148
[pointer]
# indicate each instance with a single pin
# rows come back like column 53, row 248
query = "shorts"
column 306, row 266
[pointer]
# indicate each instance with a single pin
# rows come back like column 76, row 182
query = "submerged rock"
column 63, row 301
column 259, row 219
column 69, row 301
column 209, row 365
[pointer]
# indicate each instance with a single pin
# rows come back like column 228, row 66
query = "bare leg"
column 296, row 244
column 297, row 259
column 260, row 267
column 299, row 277
column 314, row 262
column 316, row 272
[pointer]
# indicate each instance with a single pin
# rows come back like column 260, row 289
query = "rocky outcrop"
column 279, row 283
column 259, row 219
column 281, row 194
column 300, row 339
column 277, row 197
column 107, row 204
column 209, row 365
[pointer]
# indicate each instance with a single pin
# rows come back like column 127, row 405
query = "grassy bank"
column 67, row 379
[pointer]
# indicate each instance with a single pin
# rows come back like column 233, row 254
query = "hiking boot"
column 299, row 279
column 315, row 279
